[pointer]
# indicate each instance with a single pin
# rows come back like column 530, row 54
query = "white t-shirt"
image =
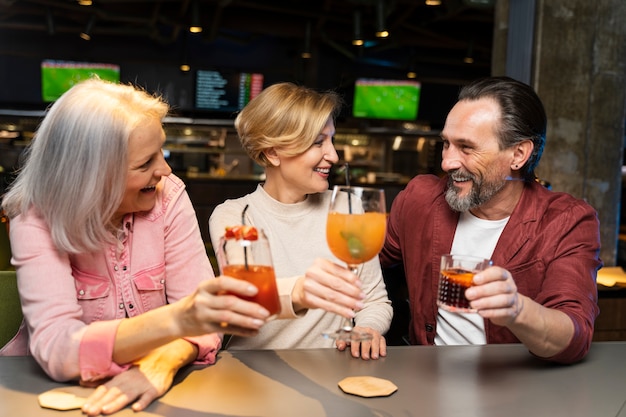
column 476, row 237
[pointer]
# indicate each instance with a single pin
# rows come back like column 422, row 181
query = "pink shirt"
column 73, row 304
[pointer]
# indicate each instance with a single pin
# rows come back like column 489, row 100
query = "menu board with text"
column 223, row 91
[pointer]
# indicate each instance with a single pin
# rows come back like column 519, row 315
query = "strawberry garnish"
column 250, row 233
column 232, row 232
column 241, row 232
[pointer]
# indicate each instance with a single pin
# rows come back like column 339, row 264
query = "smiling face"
column 291, row 178
column 472, row 157
column 146, row 166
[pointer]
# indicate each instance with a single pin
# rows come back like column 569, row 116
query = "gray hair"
column 75, row 170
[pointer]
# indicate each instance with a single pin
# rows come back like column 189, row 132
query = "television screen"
column 59, row 76
column 224, row 91
column 386, row 99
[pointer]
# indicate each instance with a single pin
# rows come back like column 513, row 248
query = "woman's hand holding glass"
column 331, row 287
column 217, row 306
column 335, row 288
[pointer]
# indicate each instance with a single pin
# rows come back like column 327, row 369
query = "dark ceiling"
column 432, row 40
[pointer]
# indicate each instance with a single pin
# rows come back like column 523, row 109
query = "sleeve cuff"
column 95, row 353
column 208, row 346
column 285, row 288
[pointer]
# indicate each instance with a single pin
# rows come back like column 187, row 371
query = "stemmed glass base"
column 346, row 332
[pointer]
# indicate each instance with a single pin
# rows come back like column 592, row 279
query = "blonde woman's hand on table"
column 366, row 349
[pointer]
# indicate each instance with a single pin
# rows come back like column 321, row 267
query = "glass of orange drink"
column 456, row 274
column 355, row 232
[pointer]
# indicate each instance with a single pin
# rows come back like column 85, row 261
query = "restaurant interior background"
column 244, row 44
column 242, row 47
column 440, row 47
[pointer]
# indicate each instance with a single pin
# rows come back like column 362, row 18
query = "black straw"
column 347, row 173
column 243, row 215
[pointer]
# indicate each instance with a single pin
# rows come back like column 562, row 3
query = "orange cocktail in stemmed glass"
column 355, row 232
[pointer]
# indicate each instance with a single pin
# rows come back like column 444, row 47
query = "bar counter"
column 485, row 381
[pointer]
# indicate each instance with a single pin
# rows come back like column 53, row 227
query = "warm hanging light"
column 411, row 73
column 85, row 2
column 357, row 38
column 469, row 56
column 306, row 52
column 381, row 31
column 195, row 26
column 184, row 61
column 86, row 34
column 433, row 2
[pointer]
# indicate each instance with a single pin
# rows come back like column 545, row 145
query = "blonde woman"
column 288, row 130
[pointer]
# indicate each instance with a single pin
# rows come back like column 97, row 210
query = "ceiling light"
column 381, row 31
column 382, row 34
column 306, row 52
column 357, row 38
column 184, row 60
column 85, row 2
column 433, row 2
column 86, row 34
column 195, row 26
column 469, row 56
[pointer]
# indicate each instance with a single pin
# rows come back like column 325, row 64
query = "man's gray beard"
column 460, row 204
column 478, row 195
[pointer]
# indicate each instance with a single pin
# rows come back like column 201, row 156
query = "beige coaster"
column 367, row 386
column 65, row 398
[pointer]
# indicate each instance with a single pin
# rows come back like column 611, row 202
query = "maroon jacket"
column 550, row 245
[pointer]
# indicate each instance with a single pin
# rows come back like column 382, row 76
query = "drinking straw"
column 243, row 215
column 347, row 174
column 245, row 248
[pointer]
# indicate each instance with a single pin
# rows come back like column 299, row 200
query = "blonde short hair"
column 284, row 116
column 75, row 170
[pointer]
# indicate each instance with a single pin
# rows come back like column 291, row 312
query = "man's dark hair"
column 523, row 115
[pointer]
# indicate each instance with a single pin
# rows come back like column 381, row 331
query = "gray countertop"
column 485, row 381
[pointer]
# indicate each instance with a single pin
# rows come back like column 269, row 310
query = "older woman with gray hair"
column 115, row 284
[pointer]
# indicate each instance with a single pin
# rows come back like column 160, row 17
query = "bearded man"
column 541, row 290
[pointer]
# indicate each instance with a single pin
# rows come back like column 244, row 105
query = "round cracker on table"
column 67, row 398
column 367, row 386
